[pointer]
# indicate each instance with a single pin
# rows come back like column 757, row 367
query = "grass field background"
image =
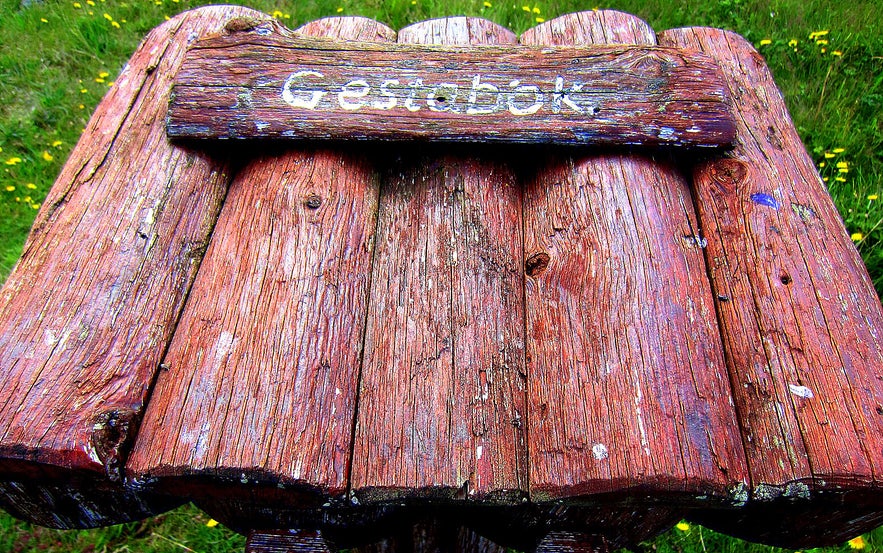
column 58, row 58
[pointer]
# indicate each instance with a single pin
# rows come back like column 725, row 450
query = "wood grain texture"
column 272, row 85
column 800, row 319
column 441, row 406
column 91, row 305
column 628, row 388
column 257, row 400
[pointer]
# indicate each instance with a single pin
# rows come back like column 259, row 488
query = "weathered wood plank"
column 628, row 387
column 800, row 319
column 255, row 410
column 242, row 85
column 441, row 406
column 90, row 307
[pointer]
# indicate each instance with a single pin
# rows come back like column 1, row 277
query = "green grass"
column 57, row 60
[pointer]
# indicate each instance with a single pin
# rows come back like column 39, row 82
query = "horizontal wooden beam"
column 265, row 83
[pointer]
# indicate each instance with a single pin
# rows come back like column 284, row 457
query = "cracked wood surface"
column 452, row 328
column 245, row 86
column 91, row 305
column 442, row 393
column 800, row 318
column 627, row 383
column 262, row 376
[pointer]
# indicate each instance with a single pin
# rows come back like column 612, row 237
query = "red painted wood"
column 256, row 406
column 441, row 408
column 265, row 84
column 628, row 388
column 800, row 318
column 90, row 307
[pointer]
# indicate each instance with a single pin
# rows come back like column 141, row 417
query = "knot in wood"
column 313, row 201
column 242, row 24
column 536, row 264
column 729, row 174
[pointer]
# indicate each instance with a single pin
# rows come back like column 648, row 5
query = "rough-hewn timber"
column 627, row 382
column 800, row 319
column 246, row 85
column 91, row 305
column 442, row 396
column 256, row 405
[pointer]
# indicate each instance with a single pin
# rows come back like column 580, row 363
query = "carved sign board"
column 264, row 84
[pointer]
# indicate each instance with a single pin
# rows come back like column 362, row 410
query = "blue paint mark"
column 765, row 199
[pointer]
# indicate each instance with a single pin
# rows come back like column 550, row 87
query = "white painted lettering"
column 353, row 90
column 519, row 89
column 385, row 92
column 415, row 86
column 484, row 88
column 297, row 97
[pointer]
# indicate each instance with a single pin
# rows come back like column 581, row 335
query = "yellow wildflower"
column 842, row 165
column 792, row 43
column 857, row 237
column 31, row 186
column 78, row 5
column 90, row 2
column 839, row 179
column 837, row 53
column 111, row 83
column 821, row 164
column 108, row 17
column 13, row 161
column 47, row 156
column 339, row 10
column 535, row 10
column 816, row 34
column 81, row 106
column 765, row 42
column 44, row 20
column 211, row 523
column 683, row 526
column 114, row 24
column 829, row 155
column 277, row 14
column 526, row 8
column 104, row 74
column 35, row 206
column 99, row 80
column 873, row 197
column 487, row 5
column 838, row 150
column 821, row 42
column 540, row 19
column 10, row 188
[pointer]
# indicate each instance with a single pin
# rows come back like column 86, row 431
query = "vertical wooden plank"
column 441, row 411
column 255, row 409
column 628, row 387
column 800, row 318
column 89, row 309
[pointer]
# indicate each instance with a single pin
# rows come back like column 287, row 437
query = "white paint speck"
column 599, row 452
column 337, row 391
column 667, row 133
column 478, row 451
column 800, row 391
column 224, row 345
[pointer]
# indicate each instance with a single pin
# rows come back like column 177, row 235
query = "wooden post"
column 90, row 308
column 800, row 318
column 442, row 402
column 621, row 322
column 262, row 376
